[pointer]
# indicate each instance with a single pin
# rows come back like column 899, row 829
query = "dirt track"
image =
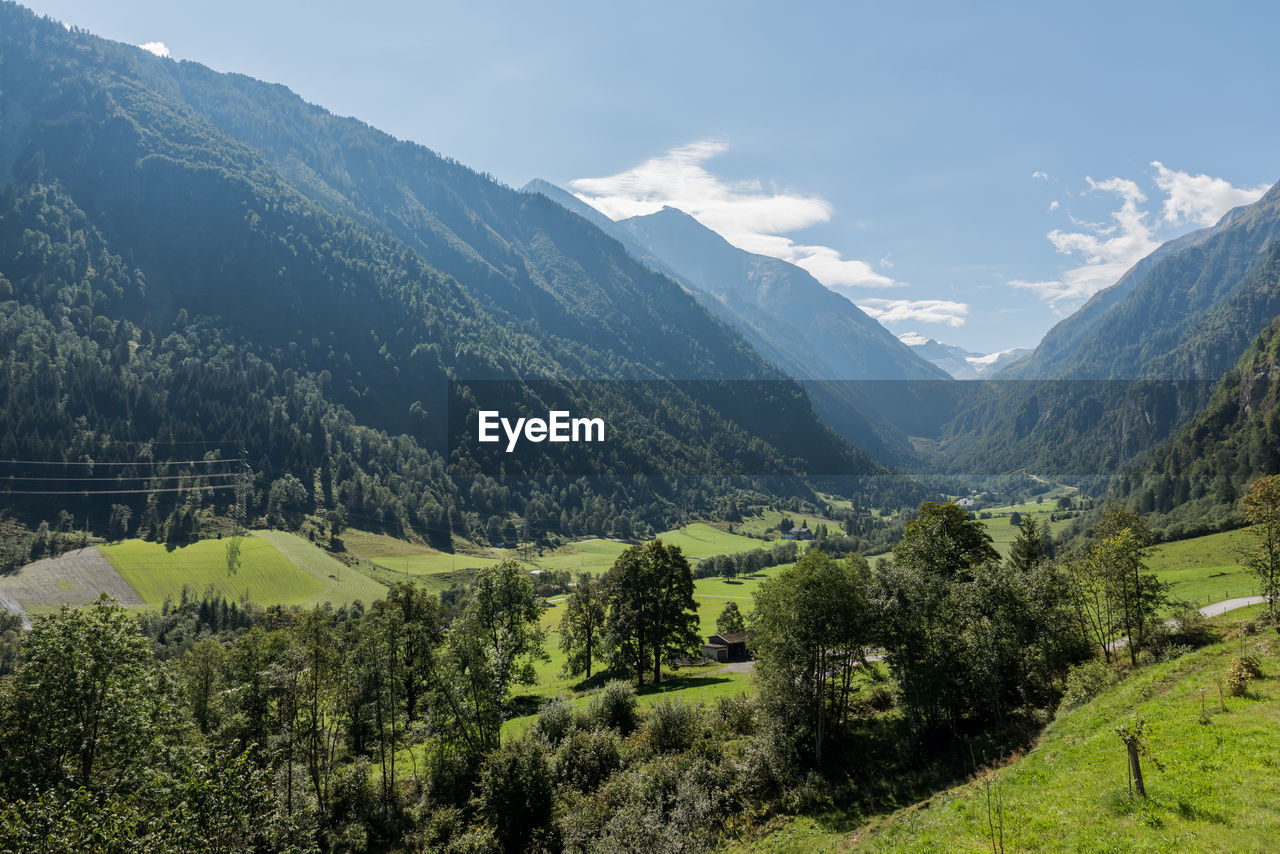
column 75, row 578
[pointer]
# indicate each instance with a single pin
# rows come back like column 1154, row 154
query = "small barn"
column 731, row 646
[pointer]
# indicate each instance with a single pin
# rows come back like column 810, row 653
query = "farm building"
column 725, row 647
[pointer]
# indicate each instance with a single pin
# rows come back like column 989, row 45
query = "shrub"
column 555, row 720
column 737, row 714
column 516, row 793
column 1174, row 650
column 614, row 707
column 672, row 726
column 587, row 758
column 1238, row 676
column 1084, row 682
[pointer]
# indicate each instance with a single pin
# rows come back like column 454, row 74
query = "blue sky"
column 972, row 177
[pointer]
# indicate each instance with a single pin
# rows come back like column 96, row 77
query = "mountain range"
column 202, row 258
column 959, row 363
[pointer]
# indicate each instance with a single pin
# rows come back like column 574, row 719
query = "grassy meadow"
column 1206, row 569
column 267, row 575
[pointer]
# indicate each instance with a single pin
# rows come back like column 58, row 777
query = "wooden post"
column 1135, row 765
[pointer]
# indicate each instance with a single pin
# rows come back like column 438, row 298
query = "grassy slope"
column 1217, row 793
column 1205, row 569
column 265, row 573
column 342, row 584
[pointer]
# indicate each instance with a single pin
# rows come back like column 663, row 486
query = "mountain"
column 1186, row 311
column 960, row 363
column 843, row 356
column 1192, row 483
column 805, row 328
column 197, row 260
column 1121, row 375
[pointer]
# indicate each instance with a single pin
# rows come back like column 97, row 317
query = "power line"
column 116, row 491
column 92, row 463
column 110, row 478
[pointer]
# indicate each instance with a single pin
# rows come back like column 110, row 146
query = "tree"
column 730, row 620
column 1135, row 596
column 1261, row 503
column 1015, row 518
column 652, row 613
column 89, row 706
column 582, row 626
column 809, row 630
column 1028, row 547
column 516, row 794
column 943, row 540
column 492, row 646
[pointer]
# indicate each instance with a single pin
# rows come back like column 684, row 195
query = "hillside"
column 199, row 260
column 1137, row 361
column 1193, row 481
column 1069, row 792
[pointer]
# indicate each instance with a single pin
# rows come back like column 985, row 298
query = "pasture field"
column 364, row 544
column 412, row 566
column 593, row 556
column 265, row 575
column 1003, row 534
column 699, row 540
column 765, row 521
column 343, row 584
column 1206, row 569
column 73, row 579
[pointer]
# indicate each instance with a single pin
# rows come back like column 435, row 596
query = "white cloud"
column 913, row 339
column 158, row 48
column 1054, row 205
column 1200, row 199
column 1043, row 176
column 947, row 312
column 745, row 213
column 1108, row 249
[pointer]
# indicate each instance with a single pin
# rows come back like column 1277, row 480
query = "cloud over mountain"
column 746, row 213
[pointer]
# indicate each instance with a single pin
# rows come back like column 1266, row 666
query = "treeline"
column 747, row 563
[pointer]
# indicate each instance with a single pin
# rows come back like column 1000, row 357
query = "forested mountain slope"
column 166, row 281
column 1193, row 482
column 1165, row 318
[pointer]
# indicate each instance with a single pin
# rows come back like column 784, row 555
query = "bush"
column 614, row 707
column 1238, row 676
column 1174, row 650
column 555, row 720
column 672, row 726
column 1084, row 682
column 587, row 758
column 737, row 714
column 516, row 794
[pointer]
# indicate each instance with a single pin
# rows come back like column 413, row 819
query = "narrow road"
column 1213, row 609
column 1226, row 605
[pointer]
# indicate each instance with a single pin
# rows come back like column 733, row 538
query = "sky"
column 968, row 176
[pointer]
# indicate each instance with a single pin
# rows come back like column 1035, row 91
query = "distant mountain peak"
column 960, row 363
